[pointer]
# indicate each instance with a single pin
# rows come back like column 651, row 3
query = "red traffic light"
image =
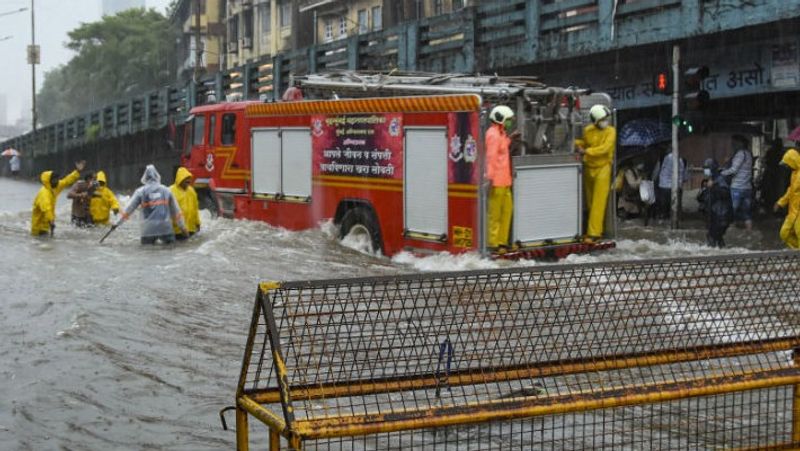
column 661, row 83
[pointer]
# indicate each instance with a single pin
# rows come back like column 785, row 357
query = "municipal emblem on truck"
column 209, row 162
column 317, row 126
column 394, row 127
column 470, row 150
column 455, row 148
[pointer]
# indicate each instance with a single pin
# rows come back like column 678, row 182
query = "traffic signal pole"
column 674, row 220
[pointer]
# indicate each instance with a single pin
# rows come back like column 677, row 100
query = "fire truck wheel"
column 361, row 222
column 208, row 201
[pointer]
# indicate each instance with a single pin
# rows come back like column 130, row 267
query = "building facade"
column 259, row 29
column 201, row 34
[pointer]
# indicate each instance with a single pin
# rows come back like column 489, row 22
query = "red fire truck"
column 396, row 158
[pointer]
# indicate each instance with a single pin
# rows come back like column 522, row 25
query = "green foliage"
column 117, row 57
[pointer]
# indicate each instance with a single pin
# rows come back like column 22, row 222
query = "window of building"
column 233, row 33
column 247, row 27
column 212, row 124
column 198, row 129
column 265, row 16
column 342, row 26
column 458, row 4
column 286, row 13
column 363, row 26
column 265, row 20
column 438, row 7
column 377, row 18
column 228, row 129
column 328, row 31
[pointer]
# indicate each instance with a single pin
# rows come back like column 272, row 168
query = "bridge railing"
column 697, row 353
column 486, row 38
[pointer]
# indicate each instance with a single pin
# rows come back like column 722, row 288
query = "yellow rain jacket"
column 44, row 206
column 103, row 201
column 187, row 200
column 790, row 230
column 599, row 144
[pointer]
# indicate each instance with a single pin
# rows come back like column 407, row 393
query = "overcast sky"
column 54, row 18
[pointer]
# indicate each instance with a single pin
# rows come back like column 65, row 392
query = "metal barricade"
column 692, row 353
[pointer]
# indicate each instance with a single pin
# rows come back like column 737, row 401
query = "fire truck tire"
column 208, row 201
column 361, row 221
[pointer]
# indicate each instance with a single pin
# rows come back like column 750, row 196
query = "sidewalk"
column 764, row 235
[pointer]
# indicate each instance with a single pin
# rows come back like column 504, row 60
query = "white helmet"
column 500, row 114
column 599, row 112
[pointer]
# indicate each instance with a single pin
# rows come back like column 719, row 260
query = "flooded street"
column 119, row 346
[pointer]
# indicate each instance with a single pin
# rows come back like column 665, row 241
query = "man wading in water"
column 159, row 209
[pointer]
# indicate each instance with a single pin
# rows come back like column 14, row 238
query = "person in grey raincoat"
column 159, row 209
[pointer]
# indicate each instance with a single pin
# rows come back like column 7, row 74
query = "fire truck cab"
column 398, row 159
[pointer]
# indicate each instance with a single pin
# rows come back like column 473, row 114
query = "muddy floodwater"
column 119, row 346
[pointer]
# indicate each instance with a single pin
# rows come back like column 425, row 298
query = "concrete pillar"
column 690, row 16
column 605, row 23
column 407, row 44
column 352, row 52
column 470, row 25
column 532, row 22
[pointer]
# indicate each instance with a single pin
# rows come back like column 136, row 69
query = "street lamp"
column 33, row 57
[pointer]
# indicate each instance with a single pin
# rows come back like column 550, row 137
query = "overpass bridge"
column 751, row 46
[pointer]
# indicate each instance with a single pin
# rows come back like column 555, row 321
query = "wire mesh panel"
column 736, row 420
column 535, row 355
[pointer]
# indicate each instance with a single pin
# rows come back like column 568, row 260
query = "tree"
column 116, row 58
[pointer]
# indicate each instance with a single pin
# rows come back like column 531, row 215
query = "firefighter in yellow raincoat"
column 498, row 171
column 103, row 201
column 186, row 196
column 43, row 215
column 597, row 148
column 790, row 230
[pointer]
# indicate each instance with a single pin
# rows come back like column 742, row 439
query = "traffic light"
column 695, row 98
column 265, row 81
column 661, row 83
column 232, row 84
column 683, row 123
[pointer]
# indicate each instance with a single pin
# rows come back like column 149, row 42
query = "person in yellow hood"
column 103, row 201
column 186, row 196
column 790, row 230
column 43, row 215
column 597, row 148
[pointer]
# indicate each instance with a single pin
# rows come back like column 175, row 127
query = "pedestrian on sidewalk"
column 718, row 208
column 662, row 177
column 741, row 171
column 15, row 165
column 790, row 230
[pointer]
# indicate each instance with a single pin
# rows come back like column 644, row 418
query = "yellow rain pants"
column 596, row 185
column 790, row 230
column 500, row 209
column 598, row 144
